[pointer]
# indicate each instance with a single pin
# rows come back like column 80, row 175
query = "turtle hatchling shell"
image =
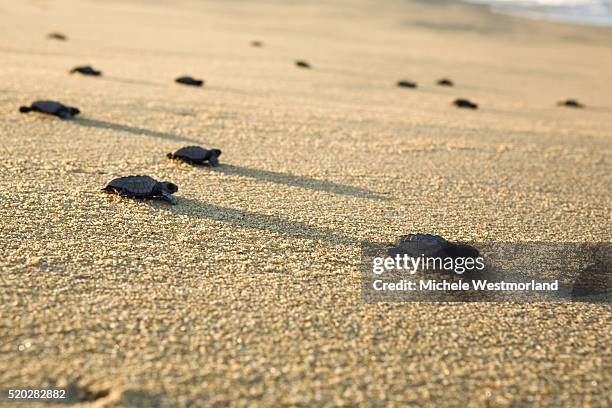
column 571, row 103
column 302, row 64
column 187, row 80
column 51, row 108
column 193, row 154
column 445, row 82
column 417, row 244
column 133, row 186
column 465, row 103
column 86, row 70
column 406, row 84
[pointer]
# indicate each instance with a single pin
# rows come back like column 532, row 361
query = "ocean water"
column 592, row 12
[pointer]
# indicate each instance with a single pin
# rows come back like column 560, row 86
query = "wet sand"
column 248, row 293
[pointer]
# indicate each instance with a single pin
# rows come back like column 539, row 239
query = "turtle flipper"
column 63, row 114
column 169, row 198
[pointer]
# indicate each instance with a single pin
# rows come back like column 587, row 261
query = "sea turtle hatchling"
column 302, row 64
column 432, row 245
column 196, row 155
column 86, row 70
column 187, row 80
column 445, row 82
column 57, row 36
column 464, row 103
column 51, row 108
column 142, row 187
column 406, row 84
column 571, row 103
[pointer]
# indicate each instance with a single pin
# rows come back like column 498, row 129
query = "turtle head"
column 25, row 109
column 214, row 153
column 169, row 187
column 213, row 157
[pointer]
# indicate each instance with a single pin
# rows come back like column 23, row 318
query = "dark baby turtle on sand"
column 196, row 155
column 406, row 84
column 445, row 82
column 57, row 36
column 187, row 80
column 51, row 108
column 571, row 103
column 86, row 70
column 429, row 245
column 464, row 103
column 302, row 64
column 142, row 187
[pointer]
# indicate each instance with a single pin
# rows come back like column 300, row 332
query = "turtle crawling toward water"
column 142, row 187
column 57, row 36
column 86, row 70
column 51, row 108
column 571, row 103
column 302, row 64
column 445, row 82
column 428, row 245
column 187, row 80
column 406, row 84
column 196, row 155
column 464, row 103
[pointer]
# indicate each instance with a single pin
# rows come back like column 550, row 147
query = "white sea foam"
column 596, row 12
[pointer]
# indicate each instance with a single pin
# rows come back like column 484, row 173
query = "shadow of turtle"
column 128, row 80
column 236, row 91
column 297, row 181
column 253, row 220
column 93, row 123
column 141, row 398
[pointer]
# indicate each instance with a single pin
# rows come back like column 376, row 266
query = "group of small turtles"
column 467, row 104
column 409, row 84
column 147, row 187
column 188, row 80
column 460, row 103
column 90, row 71
column 136, row 186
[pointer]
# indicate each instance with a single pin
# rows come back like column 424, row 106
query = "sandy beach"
column 248, row 291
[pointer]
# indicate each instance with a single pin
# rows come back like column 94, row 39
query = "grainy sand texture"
column 247, row 293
